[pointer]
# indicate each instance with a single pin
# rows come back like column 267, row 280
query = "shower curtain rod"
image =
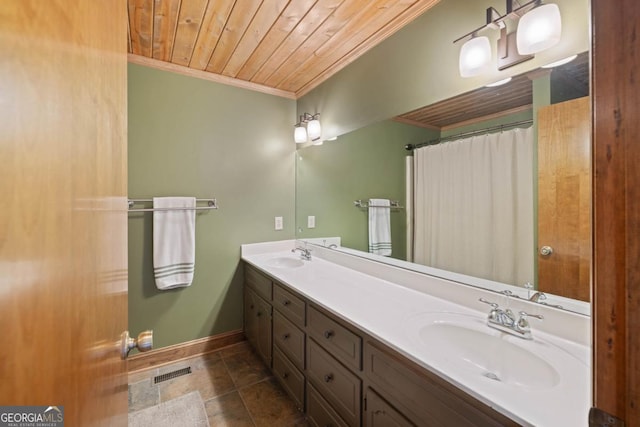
column 410, row 147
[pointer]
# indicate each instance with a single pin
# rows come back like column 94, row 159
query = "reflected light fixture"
column 300, row 133
column 475, row 56
column 538, row 28
column 312, row 131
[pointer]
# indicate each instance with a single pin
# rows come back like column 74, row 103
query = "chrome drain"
column 491, row 376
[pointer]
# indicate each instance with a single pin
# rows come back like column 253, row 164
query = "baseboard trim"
column 172, row 353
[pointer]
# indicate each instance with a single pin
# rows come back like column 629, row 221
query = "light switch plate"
column 311, row 221
column 278, row 223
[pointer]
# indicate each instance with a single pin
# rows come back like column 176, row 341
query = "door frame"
column 616, row 205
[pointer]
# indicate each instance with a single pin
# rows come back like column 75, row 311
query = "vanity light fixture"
column 312, row 131
column 538, row 28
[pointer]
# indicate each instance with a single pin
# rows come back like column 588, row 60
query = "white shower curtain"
column 473, row 206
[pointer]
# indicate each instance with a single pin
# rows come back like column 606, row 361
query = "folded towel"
column 380, row 227
column 174, row 242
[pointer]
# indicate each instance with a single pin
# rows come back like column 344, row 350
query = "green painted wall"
column 193, row 137
column 418, row 65
column 366, row 163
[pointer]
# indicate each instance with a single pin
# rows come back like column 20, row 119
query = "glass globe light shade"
column 539, row 29
column 300, row 135
column 475, row 56
column 313, row 129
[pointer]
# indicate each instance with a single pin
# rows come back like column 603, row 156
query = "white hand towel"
column 380, row 227
column 174, row 242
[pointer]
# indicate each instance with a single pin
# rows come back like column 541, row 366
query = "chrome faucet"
column 305, row 254
column 505, row 320
column 538, row 297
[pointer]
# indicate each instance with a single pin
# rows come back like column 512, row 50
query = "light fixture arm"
column 306, row 117
column 495, row 20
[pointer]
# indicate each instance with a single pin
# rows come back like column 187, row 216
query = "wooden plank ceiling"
column 284, row 47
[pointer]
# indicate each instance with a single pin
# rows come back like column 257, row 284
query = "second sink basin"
column 466, row 344
column 284, row 262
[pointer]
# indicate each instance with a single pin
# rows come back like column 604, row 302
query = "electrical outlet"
column 278, row 223
column 311, row 221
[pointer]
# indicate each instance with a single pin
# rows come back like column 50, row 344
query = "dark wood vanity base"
column 339, row 375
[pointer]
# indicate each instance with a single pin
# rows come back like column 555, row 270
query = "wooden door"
column 564, row 198
column 63, row 219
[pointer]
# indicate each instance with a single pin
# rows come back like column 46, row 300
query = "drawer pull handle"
column 328, row 378
column 328, row 334
column 286, row 302
column 258, row 314
column 379, row 412
column 286, row 336
column 251, row 306
column 285, row 376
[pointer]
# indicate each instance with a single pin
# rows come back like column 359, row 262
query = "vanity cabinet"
column 289, row 343
column 258, row 311
column 257, row 324
column 379, row 413
column 340, row 387
column 340, row 341
column 342, row 377
column 420, row 396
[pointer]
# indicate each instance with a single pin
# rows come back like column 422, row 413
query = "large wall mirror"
column 533, row 241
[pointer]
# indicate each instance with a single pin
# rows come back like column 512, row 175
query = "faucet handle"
column 525, row 315
column 523, row 323
column 492, row 304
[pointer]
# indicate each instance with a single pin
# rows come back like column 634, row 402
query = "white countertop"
column 391, row 313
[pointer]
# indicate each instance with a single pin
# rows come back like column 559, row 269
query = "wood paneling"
column 290, row 46
column 165, row 22
column 63, row 223
column 189, row 22
column 564, row 198
column 616, row 132
column 141, row 16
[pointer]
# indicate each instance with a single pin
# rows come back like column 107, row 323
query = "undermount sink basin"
column 469, row 346
column 284, row 262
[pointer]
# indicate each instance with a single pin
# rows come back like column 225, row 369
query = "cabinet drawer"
column 379, row 413
column 290, row 377
column 258, row 282
column 319, row 412
column 289, row 305
column 289, row 339
column 339, row 387
column 335, row 338
column 422, row 397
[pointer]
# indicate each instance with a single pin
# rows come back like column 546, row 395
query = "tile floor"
column 236, row 387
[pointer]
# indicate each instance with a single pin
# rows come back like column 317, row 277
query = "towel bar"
column 211, row 204
column 394, row 205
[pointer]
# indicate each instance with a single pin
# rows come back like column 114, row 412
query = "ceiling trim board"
column 199, row 74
